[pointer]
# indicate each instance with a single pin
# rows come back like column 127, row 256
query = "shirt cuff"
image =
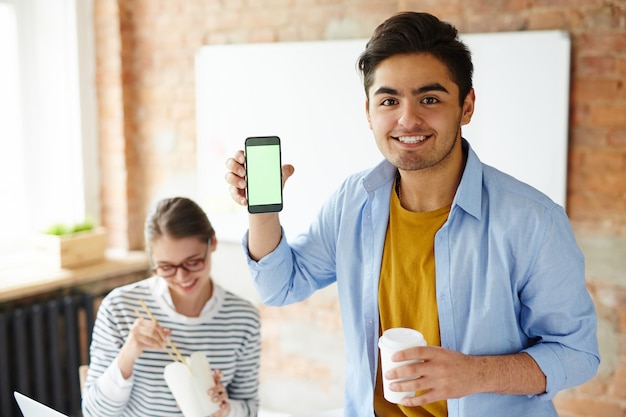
column 550, row 364
column 113, row 385
column 274, row 257
column 237, row 409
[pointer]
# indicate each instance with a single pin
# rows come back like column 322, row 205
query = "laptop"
column 32, row 408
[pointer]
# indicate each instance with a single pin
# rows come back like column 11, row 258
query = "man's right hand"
column 264, row 230
column 236, row 177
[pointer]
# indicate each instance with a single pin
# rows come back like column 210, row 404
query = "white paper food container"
column 190, row 390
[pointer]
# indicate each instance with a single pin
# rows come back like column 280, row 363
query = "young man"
column 486, row 267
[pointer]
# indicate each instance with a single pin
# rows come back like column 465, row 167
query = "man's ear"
column 367, row 113
column 468, row 107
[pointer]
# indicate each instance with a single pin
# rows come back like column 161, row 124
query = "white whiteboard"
column 311, row 96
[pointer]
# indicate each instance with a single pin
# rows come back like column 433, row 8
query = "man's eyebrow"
column 429, row 87
column 416, row 91
column 386, row 90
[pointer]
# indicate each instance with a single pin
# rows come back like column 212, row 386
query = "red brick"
column 594, row 206
column 597, row 388
column 445, row 10
column 617, row 137
column 263, row 35
column 603, row 18
column 548, row 19
column 616, row 390
column 267, row 18
column 580, row 115
column 622, row 324
column 620, row 64
column 608, row 115
column 576, row 158
column 589, row 137
column 502, row 6
column 594, row 66
column 590, row 407
column 602, row 44
column 584, row 90
column 604, row 161
column 573, row 4
column 485, row 23
column 104, row 9
column 606, row 184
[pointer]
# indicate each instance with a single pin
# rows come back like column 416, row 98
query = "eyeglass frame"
column 202, row 261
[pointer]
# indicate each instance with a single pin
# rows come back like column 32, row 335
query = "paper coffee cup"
column 190, row 387
column 392, row 341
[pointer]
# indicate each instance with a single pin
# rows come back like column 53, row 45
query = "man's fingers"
column 235, row 166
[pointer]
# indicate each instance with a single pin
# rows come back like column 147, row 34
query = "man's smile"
column 410, row 139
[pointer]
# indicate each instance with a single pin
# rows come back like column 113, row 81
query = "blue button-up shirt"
column 509, row 277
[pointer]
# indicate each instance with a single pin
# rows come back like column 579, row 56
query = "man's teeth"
column 186, row 284
column 411, row 139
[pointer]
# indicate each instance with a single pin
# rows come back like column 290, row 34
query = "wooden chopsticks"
column 172, row 345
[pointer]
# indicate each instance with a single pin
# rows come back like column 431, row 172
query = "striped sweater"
column 228, row 333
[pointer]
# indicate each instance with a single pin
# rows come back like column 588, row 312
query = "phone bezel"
column 264, row 141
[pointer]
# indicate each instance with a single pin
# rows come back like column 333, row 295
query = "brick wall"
column 145, row 76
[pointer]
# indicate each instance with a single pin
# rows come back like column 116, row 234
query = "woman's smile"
column 187, row 285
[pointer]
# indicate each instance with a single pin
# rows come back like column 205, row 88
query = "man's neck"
column 430, row 189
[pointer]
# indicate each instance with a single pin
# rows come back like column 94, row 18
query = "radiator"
column 42, row 344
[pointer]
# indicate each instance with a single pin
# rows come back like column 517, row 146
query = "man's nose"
column 410, row 116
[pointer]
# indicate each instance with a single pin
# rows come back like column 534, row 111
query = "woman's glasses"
column 190, row 265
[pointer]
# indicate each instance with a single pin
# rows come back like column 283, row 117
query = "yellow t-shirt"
column 406, row 292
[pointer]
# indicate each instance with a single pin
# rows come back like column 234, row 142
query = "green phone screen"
column 263, row 175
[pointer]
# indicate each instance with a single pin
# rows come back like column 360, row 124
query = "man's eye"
column 389, row 102
column 166, row 268
column 430, row 100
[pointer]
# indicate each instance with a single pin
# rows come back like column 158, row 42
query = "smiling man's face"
column 414, row 112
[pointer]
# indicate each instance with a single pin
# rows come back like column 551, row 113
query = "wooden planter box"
column 76, row 249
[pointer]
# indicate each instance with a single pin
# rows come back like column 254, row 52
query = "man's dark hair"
column 411, row 33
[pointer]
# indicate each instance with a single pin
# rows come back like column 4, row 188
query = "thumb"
column 287, row 170
column 217, row 375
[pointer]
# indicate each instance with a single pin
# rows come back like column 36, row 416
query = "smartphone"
column 264, row 182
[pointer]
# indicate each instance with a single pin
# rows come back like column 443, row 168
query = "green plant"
column 60, row 229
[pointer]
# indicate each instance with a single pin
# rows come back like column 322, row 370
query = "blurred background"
column 98, row 120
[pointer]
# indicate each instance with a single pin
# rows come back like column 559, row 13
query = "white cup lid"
column 400, row 338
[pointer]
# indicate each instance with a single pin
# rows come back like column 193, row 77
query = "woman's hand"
column 144, row 334
column 218, row 395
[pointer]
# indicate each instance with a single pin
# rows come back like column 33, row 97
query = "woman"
column 128, row 353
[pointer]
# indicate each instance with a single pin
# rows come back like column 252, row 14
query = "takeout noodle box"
column 190, row 387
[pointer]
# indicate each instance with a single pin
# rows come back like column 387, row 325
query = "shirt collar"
column 468, row 195
column 161, row 291
column 381, row 174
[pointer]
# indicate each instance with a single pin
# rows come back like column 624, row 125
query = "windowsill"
column 20, row 281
